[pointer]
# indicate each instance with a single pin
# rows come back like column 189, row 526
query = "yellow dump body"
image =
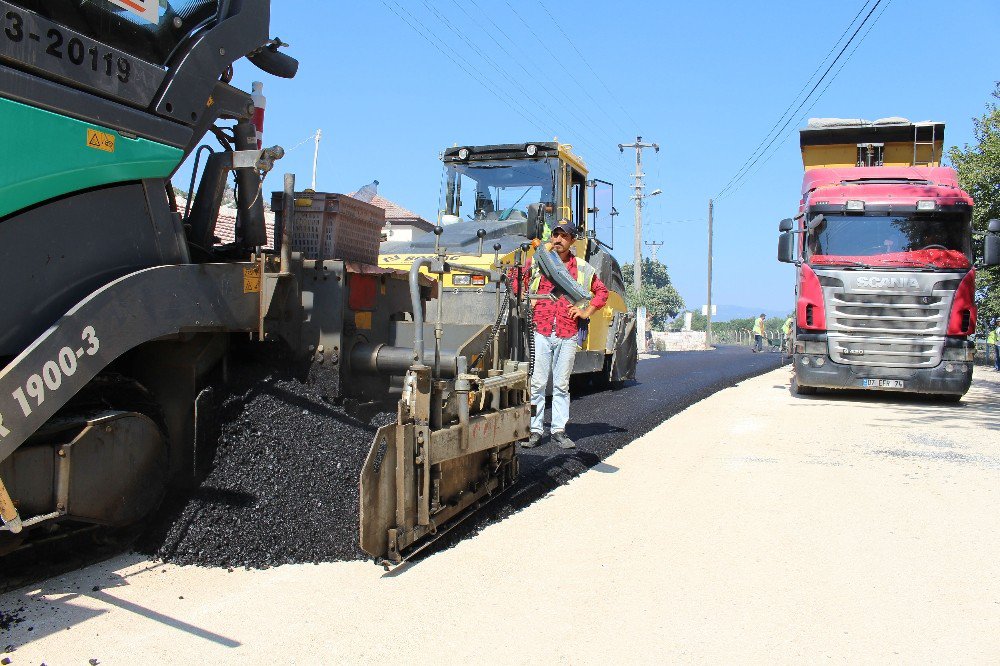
column 832, row 143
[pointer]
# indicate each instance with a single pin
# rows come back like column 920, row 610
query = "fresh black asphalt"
column 283, row 485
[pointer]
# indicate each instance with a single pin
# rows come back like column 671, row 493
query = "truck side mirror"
column 786, row 225
column 991, row 248
column 786, row 248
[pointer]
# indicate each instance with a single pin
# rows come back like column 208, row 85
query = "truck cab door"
column 601, row 213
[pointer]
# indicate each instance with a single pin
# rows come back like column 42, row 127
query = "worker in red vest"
column 557, row 328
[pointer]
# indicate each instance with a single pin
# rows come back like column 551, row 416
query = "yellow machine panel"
column 515, row 194
column 829, row 143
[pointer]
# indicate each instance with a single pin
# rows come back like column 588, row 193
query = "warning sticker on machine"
column 251, row 280
column 363, row 320
column 147, row 9
column 100, row 140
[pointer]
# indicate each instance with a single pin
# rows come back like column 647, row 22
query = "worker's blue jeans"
column 996, row 357
column 554, row 357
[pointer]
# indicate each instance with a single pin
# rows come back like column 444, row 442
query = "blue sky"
column 706, row 81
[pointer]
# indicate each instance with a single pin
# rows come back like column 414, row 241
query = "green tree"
column 699, row 322
column 978, row 169
column 727, row 329
column 734, row 325
column 659, row 297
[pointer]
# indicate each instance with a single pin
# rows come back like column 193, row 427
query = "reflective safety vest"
column 546, row 232
column 787, row 328
column 758, row 327
column 584, row 275
column 991, row 339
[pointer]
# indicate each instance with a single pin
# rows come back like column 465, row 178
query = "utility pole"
column 708, row 327
column 654, row 248
column 639, row 196
column 319, row 134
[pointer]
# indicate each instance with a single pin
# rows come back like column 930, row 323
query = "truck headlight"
column 855, row 205
column 461, row 279
column 927, row 205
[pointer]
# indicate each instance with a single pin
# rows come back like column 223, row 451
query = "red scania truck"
column 883, row 248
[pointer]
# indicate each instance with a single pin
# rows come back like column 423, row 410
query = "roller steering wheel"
column 934, row 246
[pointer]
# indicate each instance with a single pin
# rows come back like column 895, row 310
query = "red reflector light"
column 479, row 280
column 810, row 310
column 963, row 308
column 363, row 290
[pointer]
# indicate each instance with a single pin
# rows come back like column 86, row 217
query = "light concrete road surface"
column 753, row 527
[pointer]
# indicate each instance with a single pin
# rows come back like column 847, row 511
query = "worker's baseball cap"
column 566, row 226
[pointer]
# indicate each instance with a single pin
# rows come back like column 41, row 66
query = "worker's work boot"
column 533, row 440
column 562, row 441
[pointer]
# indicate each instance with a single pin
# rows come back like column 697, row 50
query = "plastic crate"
column 332, row 226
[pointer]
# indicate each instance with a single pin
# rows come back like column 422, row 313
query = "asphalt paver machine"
column 121, row 307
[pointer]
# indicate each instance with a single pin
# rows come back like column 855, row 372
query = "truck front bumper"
column 937, row 380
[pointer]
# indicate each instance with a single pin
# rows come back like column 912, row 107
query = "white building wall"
column 395, row 233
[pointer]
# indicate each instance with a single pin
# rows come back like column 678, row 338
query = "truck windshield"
column 129, row 25
column 904, row 240
column 496, row 190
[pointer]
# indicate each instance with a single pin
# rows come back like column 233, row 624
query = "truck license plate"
column 883, row 383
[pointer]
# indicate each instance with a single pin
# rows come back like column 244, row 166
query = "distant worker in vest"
column 758, row 334
column 557, row 331
column 993, row 345
column 786, row 329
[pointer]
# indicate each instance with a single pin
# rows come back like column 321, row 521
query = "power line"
column 515, row 60
column 476, row 74
column 818, row 97
column 311, row 137
column 463, row 67
column 797, row 95
column 546, row 113
column 558, row 61
column 805, row 99
column 659, row 222
column 584, row 60
column 473, row 49
column 659, row 179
